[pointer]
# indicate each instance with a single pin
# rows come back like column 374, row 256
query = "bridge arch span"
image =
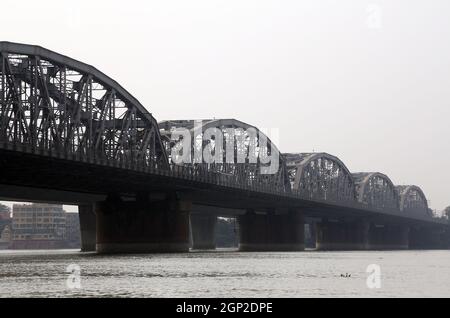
column 54, row 104
column 413, row 200
column 243, row 172
column 376, row 190
column 320, row 176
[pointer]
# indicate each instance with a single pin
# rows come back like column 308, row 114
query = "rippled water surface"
column 225, row 273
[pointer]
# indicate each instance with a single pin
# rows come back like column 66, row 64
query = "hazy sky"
column 367, row 81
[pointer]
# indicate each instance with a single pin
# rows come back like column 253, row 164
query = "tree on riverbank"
column 447, row 213
column 5, row 211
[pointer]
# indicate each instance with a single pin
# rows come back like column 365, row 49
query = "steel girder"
column 376, row 190
column 246, row 173
column 413, row 200
column 52, row 103
column 320, row 176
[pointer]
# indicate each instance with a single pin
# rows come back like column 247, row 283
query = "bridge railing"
column 203, row 174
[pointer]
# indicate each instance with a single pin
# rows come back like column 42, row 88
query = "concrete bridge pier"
column 142, row 226
column 271, row 231
column 203, row 228
column 310, row 235
column 359, row 235
column 446, row 238
column 389, row 237
column 330, row 235
column 342, row 235
column 428, row 238
column 88, row 229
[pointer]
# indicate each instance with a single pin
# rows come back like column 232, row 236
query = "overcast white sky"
column 367, row 81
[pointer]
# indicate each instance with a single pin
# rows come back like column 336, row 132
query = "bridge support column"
column 271, row 232
column 359, row 235
column 203, row 229
column 310, row 235
column 446, row 239
column 142, row 226
column 389, row 237
column 342, row 235
column 88, row 227
column 428, row 238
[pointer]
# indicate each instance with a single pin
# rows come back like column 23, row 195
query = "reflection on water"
column 225, row 273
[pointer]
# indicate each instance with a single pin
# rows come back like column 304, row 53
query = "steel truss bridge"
column 70, row 132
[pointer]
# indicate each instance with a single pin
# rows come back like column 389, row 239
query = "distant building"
column 38, row 226
column 5, row 226
column 5, row 212
column 5, row 215
column 5, row 237
column 73, row 239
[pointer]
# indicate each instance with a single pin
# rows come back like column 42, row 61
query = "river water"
column 225, row 273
